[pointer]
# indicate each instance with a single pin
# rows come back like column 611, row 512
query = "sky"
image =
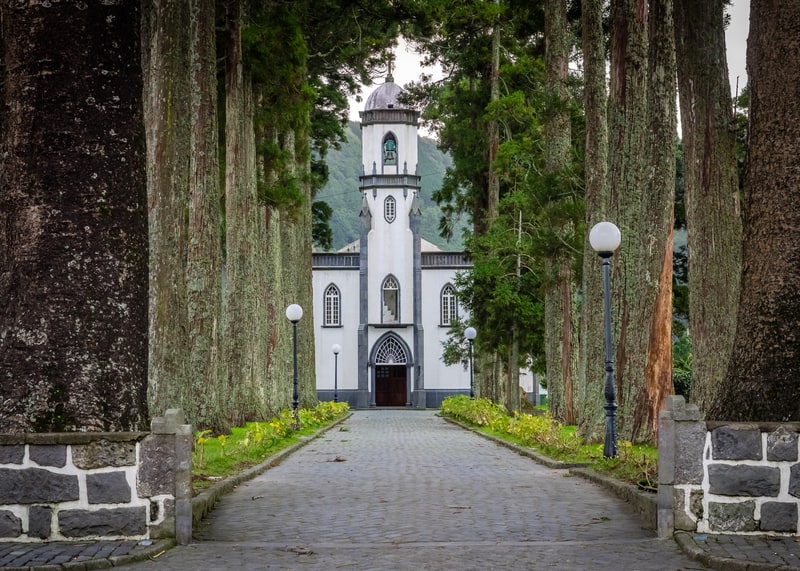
column 408, row 69
column 736, row 42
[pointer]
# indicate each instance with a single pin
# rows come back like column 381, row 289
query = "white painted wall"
column 372, row 150
column 390, row 251
column 346, row 335
column 437, row 374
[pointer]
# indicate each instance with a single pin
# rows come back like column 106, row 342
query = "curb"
column 689, row 546
column 530, row 453
column 643, row 504
column 204, row 502
column 152, row 552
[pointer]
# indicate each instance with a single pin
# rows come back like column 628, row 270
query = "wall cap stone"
column 761, row 426
column 44, row 438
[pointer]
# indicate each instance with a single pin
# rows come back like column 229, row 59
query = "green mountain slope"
column 343, row 196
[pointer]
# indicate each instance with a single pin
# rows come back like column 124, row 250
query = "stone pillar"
column 681, row 439
column 166, row 470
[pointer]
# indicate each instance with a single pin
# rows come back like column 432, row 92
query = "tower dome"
column 385, row 97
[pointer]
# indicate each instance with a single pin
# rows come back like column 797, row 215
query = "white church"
column 387, row 299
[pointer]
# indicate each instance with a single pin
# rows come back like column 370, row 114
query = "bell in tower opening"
column 390, row 150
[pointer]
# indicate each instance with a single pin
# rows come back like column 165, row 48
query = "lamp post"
column 336, row 350
column 605, row 238
column 470, row 334
column 294, row 313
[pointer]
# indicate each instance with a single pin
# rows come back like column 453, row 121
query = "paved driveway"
column 403, row 489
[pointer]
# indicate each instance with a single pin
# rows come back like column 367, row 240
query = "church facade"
column 387, row 299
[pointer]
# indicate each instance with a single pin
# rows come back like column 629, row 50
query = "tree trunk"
column 711, row 192
column 493, row 130
column 245, row 396
column 657, row 222
column 561, row 332
column 590, row 383
column 166, row 112
column 204, row 255
column 73, row 214
column 642, row 194
column 763, row 377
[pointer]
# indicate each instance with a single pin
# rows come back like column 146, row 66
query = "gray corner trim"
column 415, row 220
column 363, row 303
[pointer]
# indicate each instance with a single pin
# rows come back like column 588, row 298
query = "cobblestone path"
column 403, row 489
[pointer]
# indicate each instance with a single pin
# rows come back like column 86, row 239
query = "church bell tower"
column 390, row 338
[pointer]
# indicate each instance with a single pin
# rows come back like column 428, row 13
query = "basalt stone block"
column 108, row 488
column 40, row 521
column 10, row 525
column 157, row 466
column 36, row 485
column 782, row 445
column 794, row 480
column 779, row 516
column 740, row 480
column 12, row 454
column 103, row 523
column 53, row 455
column 690, row 439
column 102, row 454
column 730, row 443
column 736, row 517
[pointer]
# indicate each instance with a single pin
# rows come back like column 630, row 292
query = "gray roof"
column 385, row 97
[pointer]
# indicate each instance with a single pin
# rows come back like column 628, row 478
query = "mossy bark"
column 641, row 114
column 561, row 308
column 713, row 217
column 166, row 110
column 244, row 243
column 590, row 380
column 204, row 253
column 763, row 375
column 73, row 219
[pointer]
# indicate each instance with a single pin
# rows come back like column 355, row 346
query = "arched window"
column 390, row 209
column 391, row 300
column 448, row 306
column 391, row 352
column 333, row 311
column 390, row 149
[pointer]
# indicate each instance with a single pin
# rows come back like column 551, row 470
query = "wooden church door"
column 390, row 385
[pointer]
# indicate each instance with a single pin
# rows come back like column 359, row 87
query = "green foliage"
column 543, row 432
column 636, row 464
column 321, row 231
column 216, row 457
column 682, row 364
column 541, row 216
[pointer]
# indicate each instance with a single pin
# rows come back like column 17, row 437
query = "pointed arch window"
column 448, row 305
column 391, row 352
column 390, row 209
column 390, row 149
column 390, row 297
column 333, row 306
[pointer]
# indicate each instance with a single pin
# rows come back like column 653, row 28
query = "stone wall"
column 97, row 485
column 716, row 477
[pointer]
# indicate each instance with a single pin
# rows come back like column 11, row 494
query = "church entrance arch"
column 392, row 362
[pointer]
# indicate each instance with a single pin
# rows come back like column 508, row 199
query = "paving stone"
column 416, row 493
column 407, row 490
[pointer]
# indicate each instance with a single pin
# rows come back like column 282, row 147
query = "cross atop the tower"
column 389, row 67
